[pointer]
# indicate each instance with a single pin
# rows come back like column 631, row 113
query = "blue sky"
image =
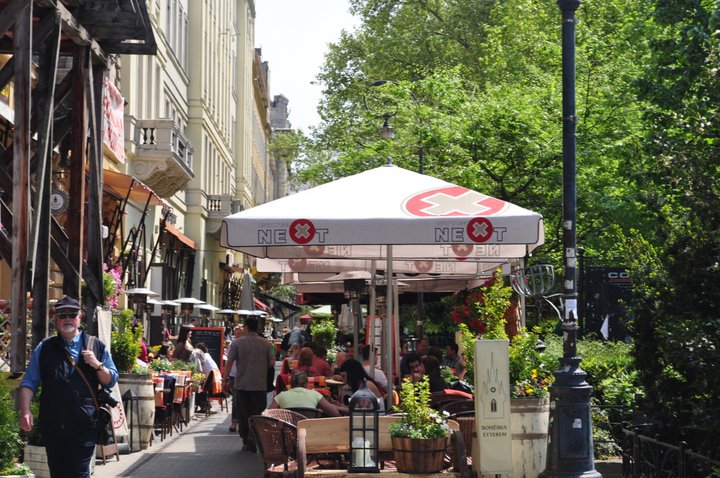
column 293, row 35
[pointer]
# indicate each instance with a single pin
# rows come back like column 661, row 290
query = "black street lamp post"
column 570, row 447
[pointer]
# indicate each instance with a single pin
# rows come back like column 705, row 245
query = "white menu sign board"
column 492, row 407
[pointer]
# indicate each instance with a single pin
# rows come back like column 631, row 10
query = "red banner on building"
column 113, row 128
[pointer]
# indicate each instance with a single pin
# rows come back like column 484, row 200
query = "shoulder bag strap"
column 82, row 375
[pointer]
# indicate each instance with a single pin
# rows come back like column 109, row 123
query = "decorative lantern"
column 364, row 410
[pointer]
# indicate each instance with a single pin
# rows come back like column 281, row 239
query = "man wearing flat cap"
column 69, row 420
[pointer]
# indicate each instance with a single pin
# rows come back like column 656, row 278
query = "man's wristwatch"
column 100, row 367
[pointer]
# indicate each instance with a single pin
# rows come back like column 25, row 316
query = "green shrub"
column 323, row 332
column 125, row 340
column 10, row 439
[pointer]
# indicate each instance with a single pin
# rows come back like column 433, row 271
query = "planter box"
column 529, row 423
column 36, row 458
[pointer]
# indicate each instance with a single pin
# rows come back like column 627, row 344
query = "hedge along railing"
column 646, row 457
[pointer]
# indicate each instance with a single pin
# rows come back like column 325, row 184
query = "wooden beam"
column 48, row 56
column 21, row 188
column 40, row 33
column 10, row 13
column 94, row 87
column 78, row 34
column 74, row 224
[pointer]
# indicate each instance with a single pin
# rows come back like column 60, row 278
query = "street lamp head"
column 386, row 131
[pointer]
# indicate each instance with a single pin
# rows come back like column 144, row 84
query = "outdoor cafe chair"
column 277, row 443
column 307, row 412
column 456, row 406
column 289, row 416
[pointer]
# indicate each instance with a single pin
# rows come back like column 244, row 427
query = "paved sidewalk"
column 205, row 448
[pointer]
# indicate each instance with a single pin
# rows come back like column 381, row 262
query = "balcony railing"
column 164, row 156
column 218, row 207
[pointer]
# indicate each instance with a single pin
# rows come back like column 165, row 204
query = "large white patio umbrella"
column 387, row 213
column 359, row 216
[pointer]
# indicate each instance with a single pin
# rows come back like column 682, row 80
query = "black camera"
column 105, row 398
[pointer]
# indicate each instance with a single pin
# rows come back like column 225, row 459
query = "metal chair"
column 277, row 443
column 284, row 414
column 208, row 396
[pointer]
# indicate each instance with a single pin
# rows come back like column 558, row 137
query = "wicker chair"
column 284, row 414
column 307, row 412
column 440, row 399
column 466, row 420
column 457, row 406
column 277, row 443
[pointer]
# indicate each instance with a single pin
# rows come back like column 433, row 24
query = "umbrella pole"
column 372, row 315
column 390, row 360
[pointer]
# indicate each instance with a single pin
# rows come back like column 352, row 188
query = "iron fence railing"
column 646, row 457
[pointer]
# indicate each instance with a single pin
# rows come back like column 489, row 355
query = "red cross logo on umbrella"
column 423, row 266
column 453, row 201
column 302, row 231
column 462, row 250
column 479, row 229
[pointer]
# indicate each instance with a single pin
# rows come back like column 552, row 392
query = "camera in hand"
column 105, row 398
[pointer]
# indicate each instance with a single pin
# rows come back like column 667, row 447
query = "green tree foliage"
column 474, row 86
column 677, row 281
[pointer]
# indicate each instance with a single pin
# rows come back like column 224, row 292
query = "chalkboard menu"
column 214, row 339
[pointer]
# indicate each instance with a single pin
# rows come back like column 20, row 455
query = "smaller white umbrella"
column 209, row 307
column 188, row 300
column 155, row 301
column 171, row 302
column 244, row 312
column 141, row 291
column 227, row 311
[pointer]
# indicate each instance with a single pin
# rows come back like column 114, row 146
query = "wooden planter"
column 36, row 458
column 529, row 424
column 419, row 456
column 141, row 413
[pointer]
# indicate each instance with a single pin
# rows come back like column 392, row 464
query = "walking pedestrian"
column 254, row 356
column 69, row 421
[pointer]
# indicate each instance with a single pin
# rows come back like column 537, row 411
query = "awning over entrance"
column 139, row 192
column 262, row 306
column 170, row 229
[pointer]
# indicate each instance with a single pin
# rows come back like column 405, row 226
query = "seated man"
column 299, row 396
column 454, row 360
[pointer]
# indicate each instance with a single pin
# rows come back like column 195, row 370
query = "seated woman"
column 354, row 374
column 305, row 362
column 432, row 371
column 299, row 396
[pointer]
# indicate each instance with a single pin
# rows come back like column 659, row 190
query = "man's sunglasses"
column 62, row 316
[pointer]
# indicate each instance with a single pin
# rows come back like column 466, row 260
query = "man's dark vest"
column 66, row 405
